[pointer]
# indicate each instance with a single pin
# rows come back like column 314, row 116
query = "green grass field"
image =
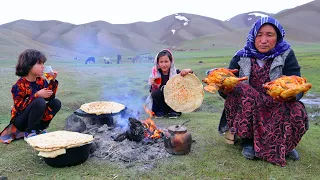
column 210, row 157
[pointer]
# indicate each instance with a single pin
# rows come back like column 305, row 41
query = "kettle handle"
column 169, row 142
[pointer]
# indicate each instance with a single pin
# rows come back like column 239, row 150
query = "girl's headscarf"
column 155, row 73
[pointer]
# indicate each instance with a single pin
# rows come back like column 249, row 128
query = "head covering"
column 155, row 73
column 249, row 49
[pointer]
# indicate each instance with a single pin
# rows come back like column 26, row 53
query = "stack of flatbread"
column 102, row 107
column 53, row 144
column 184, row 94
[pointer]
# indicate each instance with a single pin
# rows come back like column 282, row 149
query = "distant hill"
column 301, row 24
column 102, row 37
column 12, row 43
column 181, row 30
column 246, row 20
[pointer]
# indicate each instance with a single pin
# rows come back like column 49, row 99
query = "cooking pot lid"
column 177, row 128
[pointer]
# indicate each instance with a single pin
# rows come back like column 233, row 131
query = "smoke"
column 127, row 91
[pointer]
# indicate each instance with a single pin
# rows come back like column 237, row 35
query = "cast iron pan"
column 72, row 157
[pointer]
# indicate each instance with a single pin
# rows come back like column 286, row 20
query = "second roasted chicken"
column 287, row 86
column 222, row 78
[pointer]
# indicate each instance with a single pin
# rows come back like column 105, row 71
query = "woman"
column 270, row 129
column 34, row 99
column 163, row 70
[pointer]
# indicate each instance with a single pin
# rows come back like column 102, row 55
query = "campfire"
column 125, row 139
column 151, row 129
column 145, row 130
column 128, row 140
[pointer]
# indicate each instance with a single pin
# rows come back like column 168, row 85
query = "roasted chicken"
column 287, row 86
column 222, row 79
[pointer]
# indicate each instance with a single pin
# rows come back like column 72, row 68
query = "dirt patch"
column 126, row 151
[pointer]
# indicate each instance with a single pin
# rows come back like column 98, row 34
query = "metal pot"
column 177, row 140
column 72, row 157
column 103, row 118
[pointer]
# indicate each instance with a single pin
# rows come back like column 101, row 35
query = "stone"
column 75, row 123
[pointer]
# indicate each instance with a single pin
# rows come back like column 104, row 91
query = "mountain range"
column 179, row 30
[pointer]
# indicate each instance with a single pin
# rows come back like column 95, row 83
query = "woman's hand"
column 184, row 72
column 44, row 93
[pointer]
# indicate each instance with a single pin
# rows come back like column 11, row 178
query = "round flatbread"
column 184, row 94
column 58, row 139
column 102, row 107
column 46, row 149
column 52, row 154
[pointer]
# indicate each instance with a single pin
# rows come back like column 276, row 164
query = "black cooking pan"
column 102, row 118
column 72, row 157
column 79, row 112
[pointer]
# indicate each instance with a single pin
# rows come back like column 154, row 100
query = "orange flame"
column 149, row 124
column 148, row 111
column 157, row 134
column 152, row 131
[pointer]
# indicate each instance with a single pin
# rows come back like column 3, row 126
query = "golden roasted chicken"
column 222, row 78
column 287, row 86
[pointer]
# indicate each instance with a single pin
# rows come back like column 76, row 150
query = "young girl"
column 34, row 99
column 163, row 70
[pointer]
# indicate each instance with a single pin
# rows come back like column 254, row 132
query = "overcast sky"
column 128, row 11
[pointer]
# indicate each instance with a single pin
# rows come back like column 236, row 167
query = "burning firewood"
column 141, row 130
column 135, row 132
column 151, row 130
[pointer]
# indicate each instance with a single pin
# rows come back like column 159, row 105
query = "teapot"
column 177, row 140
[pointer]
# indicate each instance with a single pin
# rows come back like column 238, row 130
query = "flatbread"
column 58, row 139
column 54, row 149
column 102, row 107
column 184, row 94
column 52, row 154
column 46, row 149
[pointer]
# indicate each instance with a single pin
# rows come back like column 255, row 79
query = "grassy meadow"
column 210, row 157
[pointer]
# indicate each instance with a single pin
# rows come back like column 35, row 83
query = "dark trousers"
column 159, row 105
column 31, row 117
